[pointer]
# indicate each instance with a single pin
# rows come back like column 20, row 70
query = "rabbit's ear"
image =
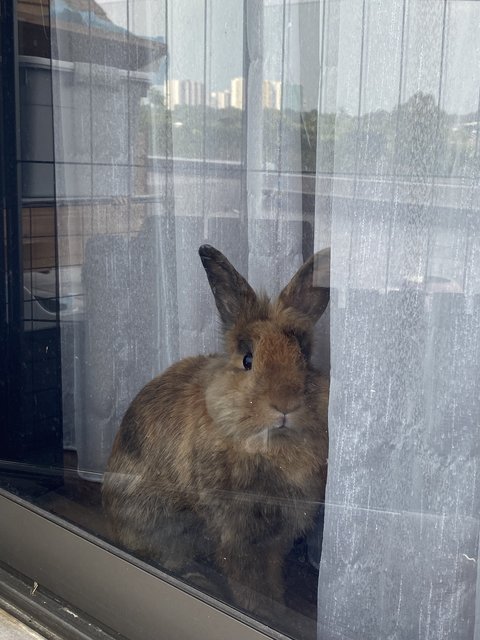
column 232, row 293
column 309, row 289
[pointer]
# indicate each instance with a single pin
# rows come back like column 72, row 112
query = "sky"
column 396, row 62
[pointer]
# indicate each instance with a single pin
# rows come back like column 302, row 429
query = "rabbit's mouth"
column 280, row 429
column 276, row 434
column 284, row 422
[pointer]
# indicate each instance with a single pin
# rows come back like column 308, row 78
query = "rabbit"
column 225, row 455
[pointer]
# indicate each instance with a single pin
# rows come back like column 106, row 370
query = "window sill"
column 99, row 580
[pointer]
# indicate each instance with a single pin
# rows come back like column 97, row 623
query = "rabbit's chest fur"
column 257, row 502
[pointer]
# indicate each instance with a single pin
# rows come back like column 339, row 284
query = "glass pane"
column 270, row 131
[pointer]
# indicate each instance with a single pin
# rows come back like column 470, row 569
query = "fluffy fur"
column 213, row 458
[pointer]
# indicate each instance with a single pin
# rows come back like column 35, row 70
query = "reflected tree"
column 417, row 138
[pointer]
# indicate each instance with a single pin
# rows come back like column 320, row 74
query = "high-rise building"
column 275, row 95
column 277, row 89
column 184, row 92
column 272, row 94
column 220, row 99
column 173, row 93
column 236, row 89
column 268, row 95
column 224, row 99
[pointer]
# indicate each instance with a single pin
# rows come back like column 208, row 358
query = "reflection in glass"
column 268, row 130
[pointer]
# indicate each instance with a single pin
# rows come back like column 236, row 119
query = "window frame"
column 122, row 593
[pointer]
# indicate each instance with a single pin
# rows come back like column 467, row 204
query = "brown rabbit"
column 227, row 454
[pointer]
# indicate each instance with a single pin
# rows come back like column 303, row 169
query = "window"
column 135, row 131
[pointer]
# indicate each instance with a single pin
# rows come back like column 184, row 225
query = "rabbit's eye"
column 247, row 361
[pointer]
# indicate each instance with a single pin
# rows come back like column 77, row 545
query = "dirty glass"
column 269, row 130
column 404, row 408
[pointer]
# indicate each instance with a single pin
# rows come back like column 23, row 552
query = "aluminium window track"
column 44, row 613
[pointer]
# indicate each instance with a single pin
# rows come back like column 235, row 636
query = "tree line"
column 417, row 138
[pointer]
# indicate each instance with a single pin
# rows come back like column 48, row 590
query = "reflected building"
column 272, row 94
column 275, row 95
column 236, row 88
column 184, row 92
column 221, row 99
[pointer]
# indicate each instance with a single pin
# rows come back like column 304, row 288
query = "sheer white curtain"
column 400, row 547
column 106, row 56
column 156, row 154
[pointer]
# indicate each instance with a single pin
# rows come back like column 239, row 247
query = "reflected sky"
column 387, row 46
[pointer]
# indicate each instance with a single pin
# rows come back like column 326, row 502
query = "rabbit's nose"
column 286, row 408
